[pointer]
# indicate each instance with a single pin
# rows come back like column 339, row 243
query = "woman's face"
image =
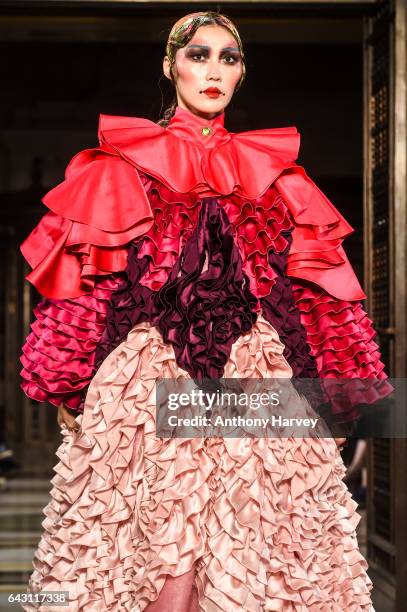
column 206, row 71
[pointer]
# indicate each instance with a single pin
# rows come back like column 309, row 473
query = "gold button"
column 206, row 131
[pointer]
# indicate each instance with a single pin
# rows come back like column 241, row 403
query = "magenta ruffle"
column 259, row 227
column 59, row 353
column 175, row 216
column 341, row 338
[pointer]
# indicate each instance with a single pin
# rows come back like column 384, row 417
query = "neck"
column 198, row 113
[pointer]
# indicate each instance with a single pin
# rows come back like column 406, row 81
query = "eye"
column 230, row 59
column 197, row 57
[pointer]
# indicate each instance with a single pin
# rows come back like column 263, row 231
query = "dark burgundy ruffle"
column 130, row 304
column 259, row 227
column 280, row 310
column 206, row 303
column 202, row 308
column 59, row 353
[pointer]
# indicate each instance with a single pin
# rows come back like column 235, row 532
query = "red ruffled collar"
column 184, row 159
column 207, row 133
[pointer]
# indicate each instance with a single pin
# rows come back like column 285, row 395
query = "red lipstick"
column 212, row 92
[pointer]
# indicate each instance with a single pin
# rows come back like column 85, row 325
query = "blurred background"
column 336, row 69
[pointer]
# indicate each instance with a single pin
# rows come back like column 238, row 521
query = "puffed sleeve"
column 77, row 253
column 327, row 293
column 58, row 355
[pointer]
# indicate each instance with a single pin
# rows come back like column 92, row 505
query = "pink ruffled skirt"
column 137, row 523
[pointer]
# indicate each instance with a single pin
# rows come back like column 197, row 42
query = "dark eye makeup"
column 202, row 51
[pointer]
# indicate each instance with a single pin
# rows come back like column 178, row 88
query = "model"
column 185, row 251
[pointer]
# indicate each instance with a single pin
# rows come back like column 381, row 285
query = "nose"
column 213, row 71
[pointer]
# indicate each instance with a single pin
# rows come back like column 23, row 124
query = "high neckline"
column 207, row 132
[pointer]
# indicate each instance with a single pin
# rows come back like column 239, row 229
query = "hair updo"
column 182, row 32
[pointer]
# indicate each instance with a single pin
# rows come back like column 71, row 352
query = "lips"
column 212, row 92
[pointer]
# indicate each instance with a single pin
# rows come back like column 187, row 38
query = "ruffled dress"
column 186, row 253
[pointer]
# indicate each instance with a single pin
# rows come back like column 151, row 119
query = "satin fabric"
column 205, row 278
column 264, row 232
column 268, row 523
column 103, row 204
column 245, row 163
column 58, row 355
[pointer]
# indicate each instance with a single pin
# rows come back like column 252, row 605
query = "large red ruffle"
column 316, row 254
column 243, row 166
column 59, row 353
column 244, row 163
column 102, row 205
column 99, row 208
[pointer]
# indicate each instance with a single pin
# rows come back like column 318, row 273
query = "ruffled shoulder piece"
column 101, row 191
column 99, row 207
column 317, row 254
column 244, row 163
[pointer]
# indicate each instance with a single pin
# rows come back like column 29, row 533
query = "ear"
column 166, row 67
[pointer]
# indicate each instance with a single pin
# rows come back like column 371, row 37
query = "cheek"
column 232, row 77
column 189, row 73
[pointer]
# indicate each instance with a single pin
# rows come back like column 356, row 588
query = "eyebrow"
column 206, row 48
